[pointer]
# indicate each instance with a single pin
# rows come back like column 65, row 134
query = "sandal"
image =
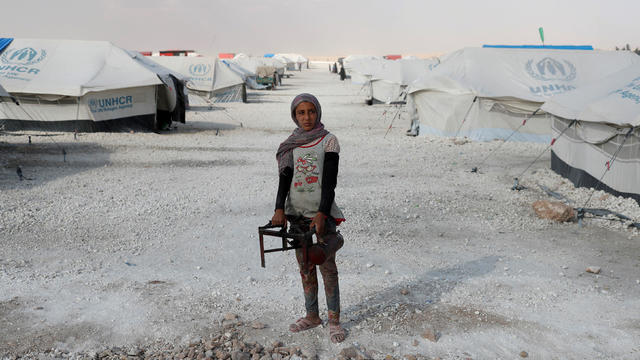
column 336, row 333
column 303, row 324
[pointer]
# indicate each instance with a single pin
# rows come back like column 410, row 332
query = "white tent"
column 290, row 63
column 260, row 66
column 177, row 101
column 209, row 79
column 4, row 93
column 496, row 89
column 261, row 69
column 79, row 85
column 250, row 78
column 293, row 61
column 607, row 123
column 388, row 82
column 361, row 67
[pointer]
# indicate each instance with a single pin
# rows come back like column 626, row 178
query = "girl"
column 308, row 170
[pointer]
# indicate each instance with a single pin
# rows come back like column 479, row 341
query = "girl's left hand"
column 318, row 221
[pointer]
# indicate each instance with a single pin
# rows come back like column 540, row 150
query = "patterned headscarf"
column 299, row 137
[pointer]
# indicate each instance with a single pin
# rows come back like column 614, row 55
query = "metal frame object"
column 290, row 241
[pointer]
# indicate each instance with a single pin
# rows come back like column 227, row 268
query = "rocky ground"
column 145, row 245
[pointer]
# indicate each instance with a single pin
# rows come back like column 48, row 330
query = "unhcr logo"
column 199, row 69
column 549, row 69
column 93, row 105
column 111, row 104
column 631, row 91
column 24, row 56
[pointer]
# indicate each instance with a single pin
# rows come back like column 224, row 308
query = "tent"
column 360, row 68
column 607, row 124
column 68, row 85
column 173, row 80
column 290, row 64
column 263, row 70
column 293, row 61
column 389, row 82
column 5, row 94
column 250, row 79
column 260, row 66
column 486, row 93
column 209, row 79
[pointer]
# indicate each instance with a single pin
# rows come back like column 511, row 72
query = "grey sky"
column 329, row 27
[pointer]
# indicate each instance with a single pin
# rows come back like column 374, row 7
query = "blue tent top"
column 4, row 42
column 269, row 55
column 550, row 47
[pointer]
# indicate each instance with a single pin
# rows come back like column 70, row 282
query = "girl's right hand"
column 278, row 218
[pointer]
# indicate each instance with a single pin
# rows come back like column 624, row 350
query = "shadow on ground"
column 408, row 307
column 266, row 96
column 46, row 160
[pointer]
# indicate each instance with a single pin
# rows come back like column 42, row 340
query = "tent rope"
column 465, row 116
column 475, row 168
column 600, row 214
column 609, row 164
column 392, row 120
column 516, row 184
column 64, row 152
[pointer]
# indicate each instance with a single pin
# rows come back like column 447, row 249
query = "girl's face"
column 306, row 116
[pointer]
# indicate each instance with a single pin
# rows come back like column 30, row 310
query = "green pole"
column 541, row 31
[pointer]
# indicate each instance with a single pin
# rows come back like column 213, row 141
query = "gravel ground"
column 145, row 245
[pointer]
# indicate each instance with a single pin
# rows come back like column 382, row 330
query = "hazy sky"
column 325, row 27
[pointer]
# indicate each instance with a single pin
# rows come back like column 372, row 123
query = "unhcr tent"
column 260, row 66
column 250, row 79
column 5, row 94
column 361, row 67
column 389, row 82
column 601, row 148
column 290, row 63
column 293, row 61
column 486, row 93
column 69, row 85
column 264, row 70
column 209, row 79
column 173, row 80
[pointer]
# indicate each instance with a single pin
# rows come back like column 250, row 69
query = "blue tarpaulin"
column 4, row 42
column 550, row 47
column 269, row 55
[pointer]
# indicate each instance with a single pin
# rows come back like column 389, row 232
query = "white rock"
column 593, row 269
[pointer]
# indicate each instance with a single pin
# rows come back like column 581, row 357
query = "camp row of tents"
column 72, row 85
column 587, row 101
